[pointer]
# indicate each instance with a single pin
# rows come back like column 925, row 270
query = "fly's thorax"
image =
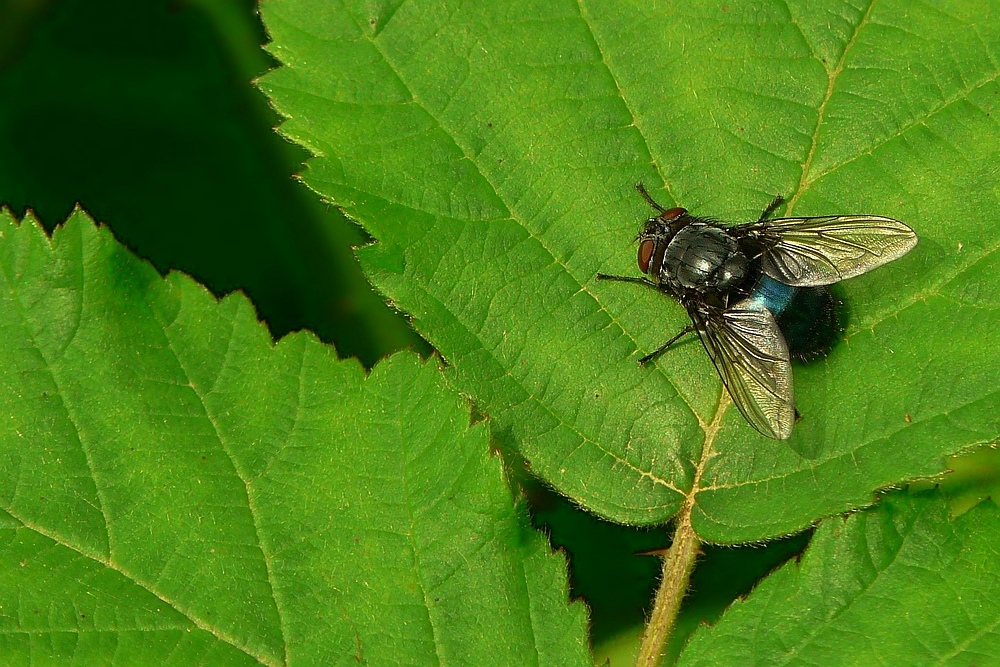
column 704, row 258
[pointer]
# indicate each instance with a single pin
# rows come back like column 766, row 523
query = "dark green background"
column 144, row 114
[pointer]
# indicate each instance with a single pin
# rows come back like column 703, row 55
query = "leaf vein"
column 816, row 630
column 538, row 238
column 832, row 75
column 247, row 486
column 912, row 123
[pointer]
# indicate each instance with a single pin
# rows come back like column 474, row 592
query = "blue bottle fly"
column 748, row 286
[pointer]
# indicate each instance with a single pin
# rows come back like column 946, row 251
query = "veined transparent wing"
column 808, row 252
column 751, row 356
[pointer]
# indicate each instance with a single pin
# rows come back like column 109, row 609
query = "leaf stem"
column 678, row 564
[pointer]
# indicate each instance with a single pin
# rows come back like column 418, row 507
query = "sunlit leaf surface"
column 492, row 149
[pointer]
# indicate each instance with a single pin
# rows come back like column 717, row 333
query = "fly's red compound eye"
column 672, row 214
column 645, row 254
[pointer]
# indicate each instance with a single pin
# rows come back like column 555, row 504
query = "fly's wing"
column 750, row 354
column 809, row 252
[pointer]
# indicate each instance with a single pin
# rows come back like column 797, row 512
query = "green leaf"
column 914, row 587
column 177, row 489
column 492, row 149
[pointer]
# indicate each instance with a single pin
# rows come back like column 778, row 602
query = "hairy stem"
column 678, row 562
column 677, row 566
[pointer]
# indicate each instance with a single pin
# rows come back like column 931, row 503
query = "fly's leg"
column 663, row 348
column 627, row 279
column 649, row 200
column 771, row 208
column 648, row 283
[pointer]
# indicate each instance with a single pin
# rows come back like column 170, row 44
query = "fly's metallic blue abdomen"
column 771, row 294
column 809, row 318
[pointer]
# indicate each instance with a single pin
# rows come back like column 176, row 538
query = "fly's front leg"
column 649, row 200
column 627, row 279
column 771, row 208
column 648, row 283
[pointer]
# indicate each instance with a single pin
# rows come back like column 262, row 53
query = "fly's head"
column 656, row 236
